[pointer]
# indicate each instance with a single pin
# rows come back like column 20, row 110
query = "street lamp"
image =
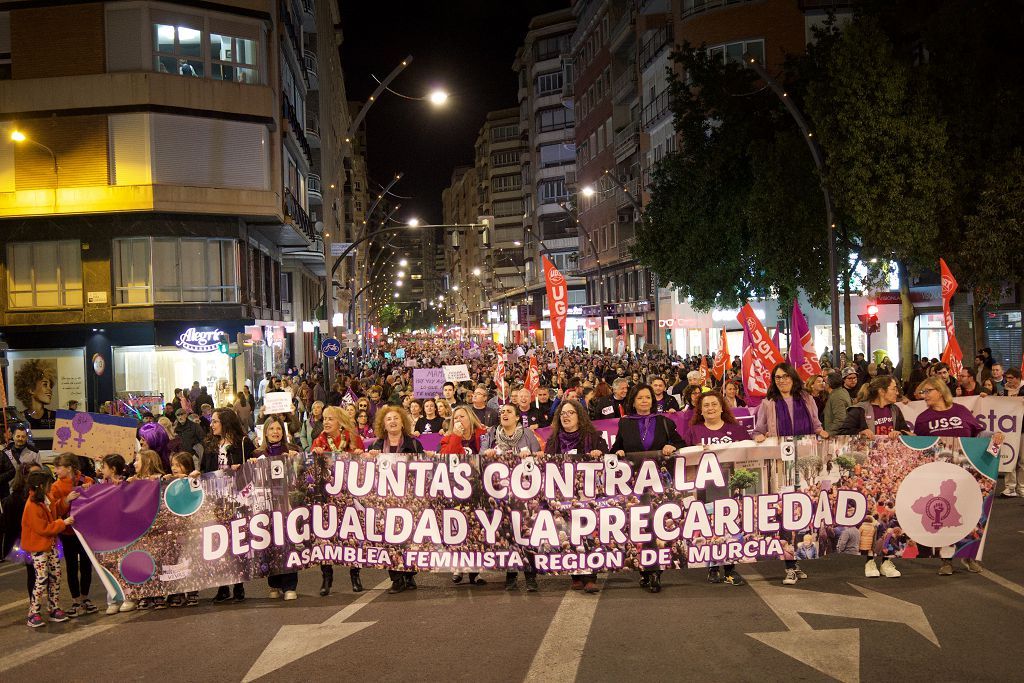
column 476, row 271
column 403, row 263
column 587, row 191
column 400, row 273
column 438, row 98
column 413, row 222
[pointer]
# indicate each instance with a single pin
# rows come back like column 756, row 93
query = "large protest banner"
column 997, row 413
column 563, row 513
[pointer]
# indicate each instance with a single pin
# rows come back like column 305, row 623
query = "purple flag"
column 798, row 328
column 775, row 337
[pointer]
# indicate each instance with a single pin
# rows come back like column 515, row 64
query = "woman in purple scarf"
column 275, row 442
column 643, row 430
column 573, row 432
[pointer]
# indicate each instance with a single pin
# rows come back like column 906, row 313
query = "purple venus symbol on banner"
column 63, row 435
column 937, row 509
column 82, row 423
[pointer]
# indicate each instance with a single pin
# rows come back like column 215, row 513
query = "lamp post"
column 819, row 163
column 20, row 137
column 589, row 192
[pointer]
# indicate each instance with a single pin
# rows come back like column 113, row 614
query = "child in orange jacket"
column 39, row 530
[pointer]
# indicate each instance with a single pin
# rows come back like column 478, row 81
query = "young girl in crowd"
column 63, row 492
column 39, row 530
column 113, row 470
column 181, row 466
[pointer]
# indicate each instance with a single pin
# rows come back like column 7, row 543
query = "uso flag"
column 558, row 298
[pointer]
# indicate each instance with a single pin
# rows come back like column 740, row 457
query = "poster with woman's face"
column 42, row 381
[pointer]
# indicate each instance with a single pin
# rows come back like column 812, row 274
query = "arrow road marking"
column 834, row 652
column 559, row 654
column 293, row 642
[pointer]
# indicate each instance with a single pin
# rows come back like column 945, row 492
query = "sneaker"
column 223, row 595
column 176, row 601
column 88, row 607
column 871, row 570
column 274, row 594
column 145, row 603
column 734, row 580
column 511, row 583
column 113, row 608
column 591, row 587
column 128, row 606
column 576, row 585
column 800, row 573
column 714, row 576
column 35, row 621
column 239, row 595
column 889, row 570
column 972, row 565
column 531, row 584
column 74, row 611
column 192, row 600
column 410, row 582
column 456, row 578
column 790, row 577
column 291, row 595
column 160, row 603
column 946, row 569
column 1008, row 494
column 58, row 616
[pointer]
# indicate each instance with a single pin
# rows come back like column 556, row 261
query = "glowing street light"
column 401, row 274
column 413, row 222
column 398, row 283
column 403, row 263
column 396, row 295
column 438, row 97
column 18, row 136
column 587, row 191
column 476, row 271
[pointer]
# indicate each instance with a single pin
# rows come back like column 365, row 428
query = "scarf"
column 797, row 425
column 645, row 424
column 278, row 448
column 569, row 441
column 505, row 442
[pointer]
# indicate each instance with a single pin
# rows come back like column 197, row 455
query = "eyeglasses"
column 779, row 378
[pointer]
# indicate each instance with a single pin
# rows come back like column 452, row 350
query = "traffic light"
column 869, row 321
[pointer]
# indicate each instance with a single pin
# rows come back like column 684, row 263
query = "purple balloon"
column 133, row 506
column 137, row 567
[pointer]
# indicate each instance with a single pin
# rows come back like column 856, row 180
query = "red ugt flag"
column 952, row 355
column 532, row 382
column 760, row 355
column 558, row 301
column 499, row 373
column 722, row 359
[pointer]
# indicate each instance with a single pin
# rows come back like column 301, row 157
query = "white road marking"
column 559, row 654
column 13, row 605
column 1005, row 583
column 52, row 645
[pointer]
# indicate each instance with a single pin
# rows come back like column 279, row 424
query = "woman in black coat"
column 641, row 431
column 878, row 415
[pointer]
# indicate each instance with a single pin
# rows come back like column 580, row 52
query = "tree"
column 737, row 212
column 885, row 153
column 388, row 314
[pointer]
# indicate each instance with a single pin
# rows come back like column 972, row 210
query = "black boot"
column 397, row 583
column 239, row 593
column 531, row 583
column 357, row 584
column 223, row 595
column 410, row 581
column 511, row 583
column 328, row 579
column 645, row 579
column 655, row 583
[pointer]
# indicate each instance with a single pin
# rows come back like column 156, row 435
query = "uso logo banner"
column 997, row 413
column 559, row 513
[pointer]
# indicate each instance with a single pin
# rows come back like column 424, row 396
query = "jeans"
column 79, row 567
column 284, row 582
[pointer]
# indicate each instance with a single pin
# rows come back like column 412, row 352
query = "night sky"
column 465, row 47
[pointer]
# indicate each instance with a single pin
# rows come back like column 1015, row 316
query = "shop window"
column 171, row 270
column 44, row 274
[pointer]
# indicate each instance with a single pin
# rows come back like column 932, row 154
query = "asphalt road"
column 837, row 625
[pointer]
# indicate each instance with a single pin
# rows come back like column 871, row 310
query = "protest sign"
column 427, row 382
column 277, row 402
column 95, row 435
column 473, row 512
column 456, row 373
column 996, row 413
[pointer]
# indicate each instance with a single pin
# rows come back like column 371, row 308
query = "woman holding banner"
column 573, row 432
column 643, row 430
column 510, row 438
column 466, row 433
column 940, row 419
column 787, row 410
column 276, row 443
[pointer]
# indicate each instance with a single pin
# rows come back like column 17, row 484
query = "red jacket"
column 39, row 527
column 453, row 443
column 59, row 496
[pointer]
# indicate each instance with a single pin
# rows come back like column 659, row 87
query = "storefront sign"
column 622, row 308
column 199, row 339
column 928, row 295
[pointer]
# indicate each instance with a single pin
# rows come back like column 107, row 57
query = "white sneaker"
column 889, row 570
column 1008, row 494
column 113, row 608
column 128, row 606
column 274, row 594
column 871, row 570
column 790, row 577
column 291, row 595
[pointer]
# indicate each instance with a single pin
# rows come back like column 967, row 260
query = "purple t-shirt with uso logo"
column 957, row 421
column 701, row 435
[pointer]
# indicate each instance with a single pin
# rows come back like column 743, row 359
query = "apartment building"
column 464, row 254
column 159, row 187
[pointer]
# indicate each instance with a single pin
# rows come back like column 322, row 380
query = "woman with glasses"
column 943, row 417
column 787, row 410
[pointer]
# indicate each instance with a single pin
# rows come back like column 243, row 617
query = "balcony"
column 313, row 189
column 309, row 60
column 654, row 45
column 313, row 130
column 624, row 86
column 655, row 111
column 692, row 8
column 290, row 29
column 627, row 140
column 289, row 114
column 623, row 27
column 308, row 16
column 632, row 194
column 296, row 216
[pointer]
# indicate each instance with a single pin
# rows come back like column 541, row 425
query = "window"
column 552, row 191
column 175, row 270
column 232, row 59
column 549, row 83
column 179, row 50
column 557, row 154
column 499, row 159
column 504, row 133
column 556, row 118
column 508, row 207
column 504, row 183
column 44, row 274
column 733, row 52
column 549, row 48
column 5, row 46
